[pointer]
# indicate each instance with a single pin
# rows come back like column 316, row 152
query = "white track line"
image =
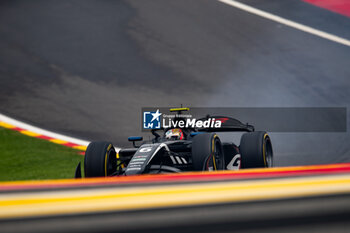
column 287, row 22
column 44, row 132
column 37, row 130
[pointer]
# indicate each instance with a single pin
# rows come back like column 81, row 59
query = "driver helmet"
column 175, row 134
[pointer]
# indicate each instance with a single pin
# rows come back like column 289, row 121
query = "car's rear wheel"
column 256, row 150
column 100, row 159
column 207, row 152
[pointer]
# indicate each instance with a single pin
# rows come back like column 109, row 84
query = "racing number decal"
column 235, row 163
column 145, row 149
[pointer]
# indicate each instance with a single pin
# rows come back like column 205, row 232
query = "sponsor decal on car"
column 145, row 149
column 140, row 159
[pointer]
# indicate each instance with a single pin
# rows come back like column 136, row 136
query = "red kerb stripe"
column 338, row 6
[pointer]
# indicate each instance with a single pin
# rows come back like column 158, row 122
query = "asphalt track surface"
column 85, row 69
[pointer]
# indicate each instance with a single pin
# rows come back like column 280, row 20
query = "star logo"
column 151, row 120
column 156, row 115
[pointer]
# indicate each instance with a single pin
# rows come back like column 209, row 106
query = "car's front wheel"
column 100, row 159
column 207, row 152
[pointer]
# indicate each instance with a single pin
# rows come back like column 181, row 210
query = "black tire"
column 100, row 159
column 207, row 152
column 256, row 150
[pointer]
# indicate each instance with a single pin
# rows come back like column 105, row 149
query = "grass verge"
column 27, row 158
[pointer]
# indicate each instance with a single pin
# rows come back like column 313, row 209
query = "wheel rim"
column 111, row 163
column 268, row 153
column 218, row 156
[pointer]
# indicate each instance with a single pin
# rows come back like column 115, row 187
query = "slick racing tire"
column 207, row 152
column 256, row 150
column 100, row 159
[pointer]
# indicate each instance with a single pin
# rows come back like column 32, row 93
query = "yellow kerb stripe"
column 80, row 147
column 58, row 141
column 33, row 134
column 6, row 125
column 29, row 133
column 113, row 199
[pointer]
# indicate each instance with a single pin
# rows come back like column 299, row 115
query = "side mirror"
column 133, row 139
column 195, row 133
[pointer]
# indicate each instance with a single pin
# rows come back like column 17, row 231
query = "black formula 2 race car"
column 180, row 150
